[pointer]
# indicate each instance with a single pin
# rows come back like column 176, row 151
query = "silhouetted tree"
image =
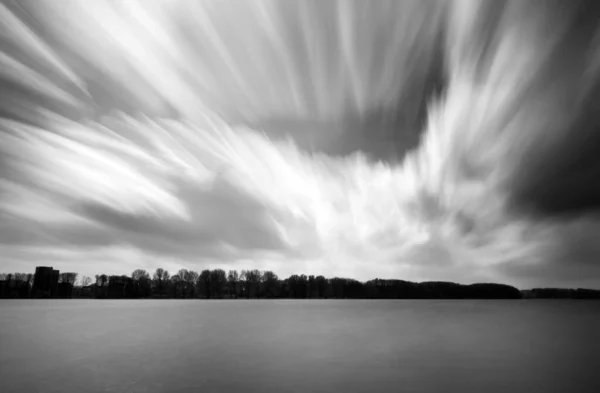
column 251, row 279
column 292, row 285
column 269, row 280
column 266, row 284
column 191, row 280
column 85, row 281
column 246, row 283
column 161, row 276
column 20, row 277
column 66, row 282
column 321, row 285
column 205, row 280
column 337, row 286
column 141, row 283
column 312, row 288
column 67, row 278
column 181, row 282
column 232, row 281
column 139, row 274
column 18, row 285
column 101, row 281
column 218, row 279
column 175, row 285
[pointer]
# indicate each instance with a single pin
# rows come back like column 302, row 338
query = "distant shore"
column 48, row 283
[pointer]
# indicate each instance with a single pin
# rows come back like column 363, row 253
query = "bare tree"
column 321, row 284
column 101, row 281
column 245, row 280
column 176, row 282
column 139, row 274
column 181, row 280
column 22, row 277
column 68, row 278
column 270, row 281
column 218, row 279
column 205, row 280
column 312, row 287
column 29, row 279
column 84, row 281
column 232, row 280
column 250, row 278
column 161, row 276
column 191, row 279
column 141, row 282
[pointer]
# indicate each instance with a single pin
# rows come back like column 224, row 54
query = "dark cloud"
column 559, row 173
column 386, row 132
column 392, row 121
column 566, row 254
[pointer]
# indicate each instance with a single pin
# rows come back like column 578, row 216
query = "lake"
column 299, row 346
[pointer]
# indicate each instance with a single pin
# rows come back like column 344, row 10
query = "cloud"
column 421, row 140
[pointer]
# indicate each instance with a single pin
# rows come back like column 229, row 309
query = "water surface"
column 299, row 346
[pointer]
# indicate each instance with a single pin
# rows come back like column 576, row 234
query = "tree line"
column 219, row 284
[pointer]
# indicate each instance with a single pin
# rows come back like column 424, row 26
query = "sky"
column 419, row 140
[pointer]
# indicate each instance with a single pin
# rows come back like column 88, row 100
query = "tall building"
column 45, row 282
column 54, row 283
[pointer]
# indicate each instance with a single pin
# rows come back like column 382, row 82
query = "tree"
column 232, row 280
column 191, row 279
column 298, row 285
column 292, row 284
column 321, row 284
column 84, row 281
column 270, row 282
column 180, row 282
column 205, row 280
column 161, row 276
column 67, row 278
column 312, row 290
column 21, row 284
column 250, row 278
column 139, row 274
column 218, row 279
column 337, row 286
column 141, row 282
column 176, row 283
column 66, row 282
column 20, row 277
column 101, row 281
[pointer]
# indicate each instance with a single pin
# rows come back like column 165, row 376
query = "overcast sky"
column 420, row 140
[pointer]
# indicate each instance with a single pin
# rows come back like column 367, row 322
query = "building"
column 3, row 289
column 45, row 282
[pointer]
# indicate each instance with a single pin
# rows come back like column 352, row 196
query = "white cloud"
column 149, row 168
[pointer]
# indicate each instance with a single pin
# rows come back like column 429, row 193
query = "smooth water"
column 299, row 346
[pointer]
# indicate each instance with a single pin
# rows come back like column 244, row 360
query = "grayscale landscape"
column 300, row 196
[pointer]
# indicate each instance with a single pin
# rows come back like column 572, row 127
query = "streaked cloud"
column 414, row 139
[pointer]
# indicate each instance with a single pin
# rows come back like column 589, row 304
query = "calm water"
column 299, row 346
